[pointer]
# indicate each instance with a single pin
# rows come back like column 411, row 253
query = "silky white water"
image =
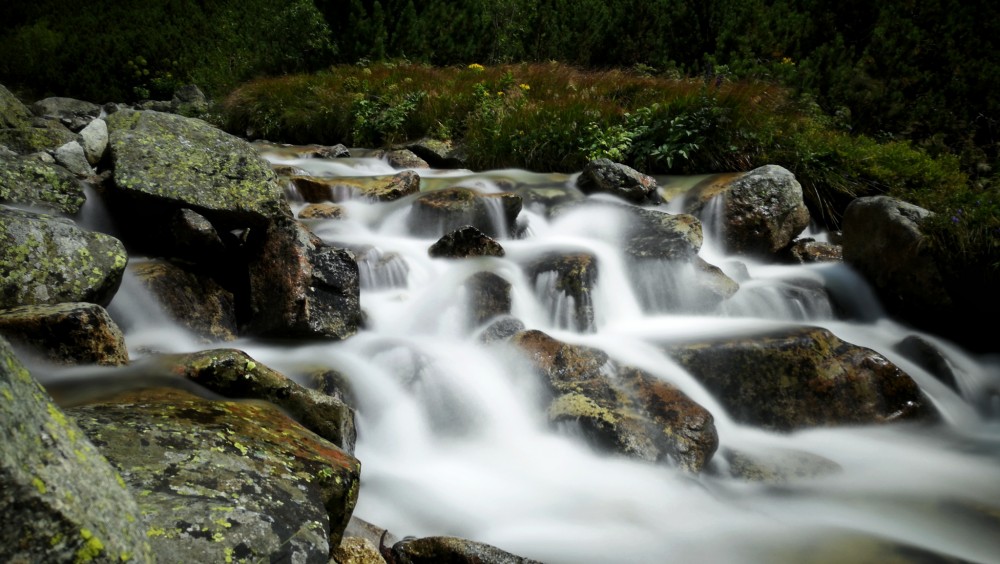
column 453, row 439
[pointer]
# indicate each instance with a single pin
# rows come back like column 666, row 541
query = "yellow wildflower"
column 476, row 67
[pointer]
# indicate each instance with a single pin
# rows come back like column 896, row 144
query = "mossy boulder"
column 234, row 374
column 222, row 481
column 31, row 182
column 36, row 137
column 62, row 501
column 67, row 333
column 48, row 260
column 802, row 377
column 164, row 161
column 13, row 112
column 620, row 408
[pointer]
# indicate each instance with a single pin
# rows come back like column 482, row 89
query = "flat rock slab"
column 225, row 481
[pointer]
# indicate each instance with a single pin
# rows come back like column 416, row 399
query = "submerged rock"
column 220, row 481
column 48, row 260
column 62, row 501
column 452, row 550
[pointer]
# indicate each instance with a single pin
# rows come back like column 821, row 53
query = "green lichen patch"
column 49, row 260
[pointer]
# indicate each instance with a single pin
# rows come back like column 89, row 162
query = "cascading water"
column 453, row 438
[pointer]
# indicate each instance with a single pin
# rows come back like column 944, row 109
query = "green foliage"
column 129, row 50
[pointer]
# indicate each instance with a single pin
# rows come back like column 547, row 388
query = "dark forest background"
column 899, row 69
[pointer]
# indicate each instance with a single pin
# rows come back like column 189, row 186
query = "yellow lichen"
column 92, row 547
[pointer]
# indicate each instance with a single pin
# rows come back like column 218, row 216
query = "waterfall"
column 453, row 437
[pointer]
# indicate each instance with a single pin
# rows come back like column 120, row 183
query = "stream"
column 453, row 441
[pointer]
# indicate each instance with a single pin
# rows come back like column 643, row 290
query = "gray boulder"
column 94, row 139
column 49, row 260
column 72, row 157
column 62, row 501
column 883, row 241
column 759, row 212
column 164, row 161
column 74, row 114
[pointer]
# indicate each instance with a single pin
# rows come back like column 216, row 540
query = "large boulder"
column 48, row 260
column 163, row 162
column 225, row 481
column 68, row 333
column 653, row 234
column 31, row 182
column 620, row 409
column 802, row 377
column 299, row 286
column 61, row 499
column 758, row 213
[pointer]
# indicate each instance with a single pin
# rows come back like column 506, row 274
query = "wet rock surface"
column 225, row 481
